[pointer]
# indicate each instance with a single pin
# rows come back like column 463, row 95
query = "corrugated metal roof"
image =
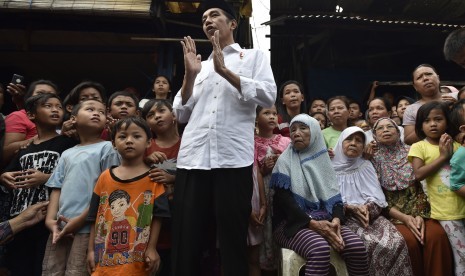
column 443, row 11
column 118, row 7
column 338, row 18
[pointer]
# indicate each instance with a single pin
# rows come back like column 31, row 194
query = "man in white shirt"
column 214, row 183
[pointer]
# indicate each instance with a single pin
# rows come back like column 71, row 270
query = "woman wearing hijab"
column 364, row 200
column 408, row 205
column 307, row 205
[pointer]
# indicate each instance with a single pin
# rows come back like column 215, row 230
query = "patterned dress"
column 387, row 251
column 263, row 146
column 359, row 185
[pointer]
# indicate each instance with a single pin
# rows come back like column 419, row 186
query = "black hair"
column 282, row 108
column 33, row 102
column 163, row 76
column 423, row 113
column 170, row 93
column 310, row 103
column 127, row 122
column 344, row 99
column 259, row 109
column 123, row 93
column 116, row 194
column 385, row 101
column 346, row 102
column 424, row 65
column 33, row 85
column 400, row 98
column 155, row 102
column 352, row 101
column 76, row 91
column 324, row 115
column 454, row 44
column 456, row 116
column 79, row 105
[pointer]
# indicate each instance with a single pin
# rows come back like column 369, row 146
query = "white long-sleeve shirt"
column 221, row 120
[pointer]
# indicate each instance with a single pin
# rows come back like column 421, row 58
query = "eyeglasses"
column 381, row 128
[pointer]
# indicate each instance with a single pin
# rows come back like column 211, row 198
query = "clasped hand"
column 331, row 231
column 24, row 179
column 361, row 213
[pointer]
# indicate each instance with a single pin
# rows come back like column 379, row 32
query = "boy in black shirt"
column 26, row 175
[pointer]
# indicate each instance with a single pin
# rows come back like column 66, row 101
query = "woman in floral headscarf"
column 364, row 200
column 408, row 207
column 307, row 205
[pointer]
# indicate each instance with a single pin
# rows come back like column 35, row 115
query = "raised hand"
column 218, row 58
column 446, row 147
column 192, row 61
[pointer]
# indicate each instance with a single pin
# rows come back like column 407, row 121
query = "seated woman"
column 408, row 207
column 307, row 206
column 364, row 200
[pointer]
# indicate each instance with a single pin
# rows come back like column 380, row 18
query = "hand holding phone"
column 17, row 89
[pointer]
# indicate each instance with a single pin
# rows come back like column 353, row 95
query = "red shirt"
column 18, row 122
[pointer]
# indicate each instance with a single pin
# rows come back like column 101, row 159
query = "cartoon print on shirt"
column 121, row 227
column 142, row 240
column 101, row 231
column 144, row 212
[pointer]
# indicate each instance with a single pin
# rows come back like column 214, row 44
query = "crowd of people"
column 215, row 179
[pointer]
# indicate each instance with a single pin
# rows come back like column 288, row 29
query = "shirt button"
column 213, row 111
column 215, row 97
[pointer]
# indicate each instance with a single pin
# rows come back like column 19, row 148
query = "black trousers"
column 200, row 196
column 26, row 251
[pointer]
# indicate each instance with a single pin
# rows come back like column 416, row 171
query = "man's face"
column 215, row 19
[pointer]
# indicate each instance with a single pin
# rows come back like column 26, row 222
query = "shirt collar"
column 235, row 47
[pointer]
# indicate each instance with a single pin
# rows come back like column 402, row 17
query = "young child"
column 355, row 112
column 164, row 148
column 317, row 105
column 291, row 103
column 321, row 118
column 129, row 206
column 72, row 184
column 161, row 89
column 86, row 90
column 26, row 175
column 163, row 153
column 268, row 147
column 457, row 163
column 430, row 160
column 120, row 105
